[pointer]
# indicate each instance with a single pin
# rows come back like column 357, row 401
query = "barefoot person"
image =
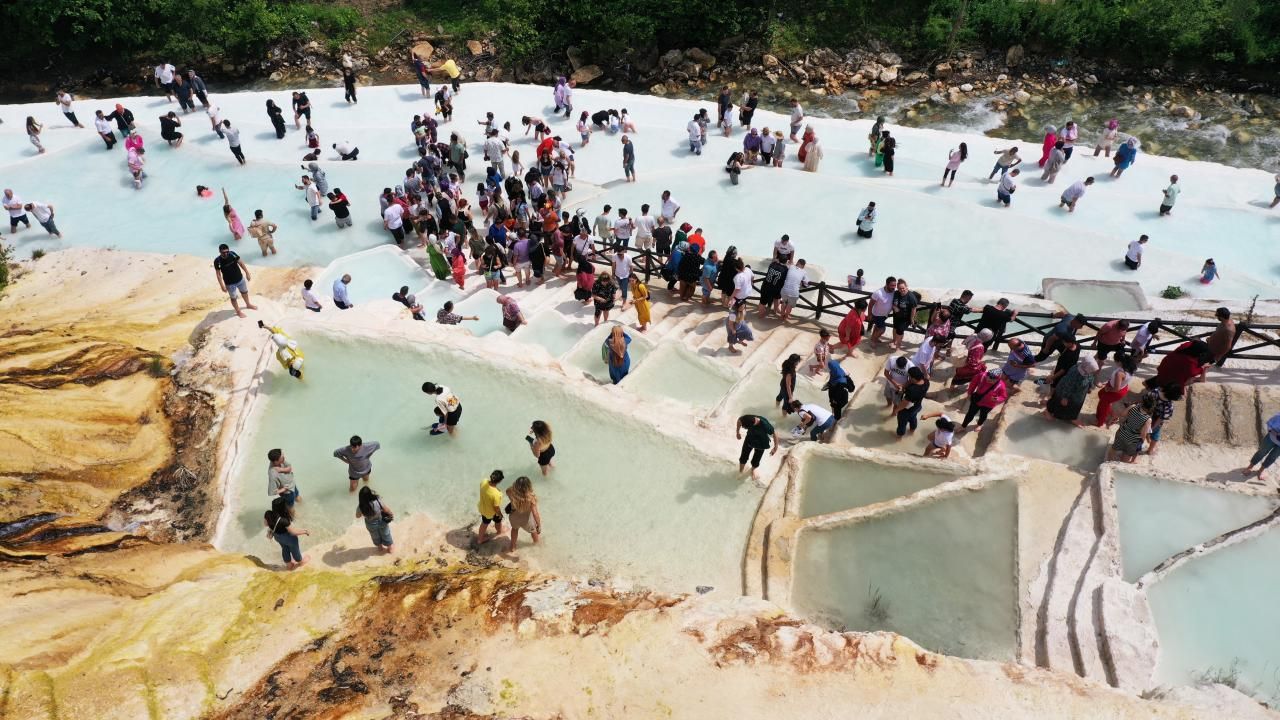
column 760, row 437
column 280, row 482
column 279, row 523
column 490, row 502
column 377, row 518
column 448, row 408
column 539, row 439
column 524, row 513
column 356, row 454
column 233, row 277
column 1268, row 451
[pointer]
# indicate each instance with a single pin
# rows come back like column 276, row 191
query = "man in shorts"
column 882, row 307
column 233, row 277
column 356, row 454
column 795, row 281
column 448, row 408
column 490, row 502
column 17, row 211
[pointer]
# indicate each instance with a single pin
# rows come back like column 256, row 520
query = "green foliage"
column 1172, row 292
column 6, row 257
column 37, row 254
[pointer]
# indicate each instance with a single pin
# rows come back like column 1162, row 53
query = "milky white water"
column 933, row 236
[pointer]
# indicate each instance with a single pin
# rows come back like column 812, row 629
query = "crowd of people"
column 516, row 227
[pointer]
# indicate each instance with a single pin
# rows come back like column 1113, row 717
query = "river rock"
column 824, row 56
column 586, row 74
column 658, row 89
column 966, row 87
column 938, row 99
column 475, row 47
column 701, row 57
column 574, row 53
column 423, row 50
column 1002, row 78
column 888, row 75
column 1241, row 136
column 1014, row 56
column 943, row 70
column 1091, row 79
column 671, row 58
column 888, row 58
column 770, row 62
column 1182, row 111
column 1021, row 96
column 277, row 76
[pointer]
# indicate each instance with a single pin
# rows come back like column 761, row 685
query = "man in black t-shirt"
column 908, row 409
column 233, row 277
column 760, row 437
column 996, row 318
column 771, row 286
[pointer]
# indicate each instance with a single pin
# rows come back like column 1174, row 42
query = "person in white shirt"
column 1133, row 257
column 340, row 296
column 645, row 225
column 926, row 353
column 309, row 299
column 622, row 229
column 64, row 104
column 105, row 129
column 393, row 220
column 670, row 208
column 783, row 250
column 17, row 211
column 882, row 307
column 795, row 281
column 941, row 439
column 313, row 195
column 494, row 150
column 1171, row 194
column 164, row 78
column 346, row 150
column 44, row 216
column 695, row 136
column 797, row 119
column 622, row 273
column 1006, row 188
column 742, row 284
column 895, row 378
column 1073, row 193
column 814, row 419
column 867, row 220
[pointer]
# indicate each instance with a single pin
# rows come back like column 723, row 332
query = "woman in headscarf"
column 1114, row 388
column 987, row 391
column 1050, row 139
column 805, row 139
column 873, row 137
column 640, row 300
column 812, row 154
column 276, row 115
column 439, row 265
column 849, row 332
column 616, row 354
column 724, row 276
column 975, row 347
column 1125, row 156
column 1072, row 390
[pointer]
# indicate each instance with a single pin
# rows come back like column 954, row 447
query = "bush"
column 6, row 256
column 1172, row 292
column 37, row 254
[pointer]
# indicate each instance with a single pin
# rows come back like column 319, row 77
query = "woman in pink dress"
column 975, row 347
column 133, row 141
column 233, row 219
column 1050, row 139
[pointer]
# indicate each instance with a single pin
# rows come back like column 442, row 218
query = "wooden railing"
column 820, row 299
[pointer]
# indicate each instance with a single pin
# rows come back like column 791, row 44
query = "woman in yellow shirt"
column 640, row 297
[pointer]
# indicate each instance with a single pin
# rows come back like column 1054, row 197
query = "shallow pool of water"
column 1055, row 440
column 673, row 371
column 586, row 356
column 1159, row 518
column 942, row 574
column 375, row 274
column 551, row 331
column 1216, row 615
column 482, row 303
column 1092, row 300
column 829, row 484
column 603, row 513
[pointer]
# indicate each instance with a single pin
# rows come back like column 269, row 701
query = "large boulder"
column 889, row 58
column 701, row 57
column 770, row 62
column 475, row 47
column 943, row 70
column 1014, row 56
column 586, row 74
column 671, row 58
column 574, row 54
column 888, row 75
column 1021, row 96
column 423, row 50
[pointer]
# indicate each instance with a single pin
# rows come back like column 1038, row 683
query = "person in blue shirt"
column 1269, row 450
column 340, row 296
column 1125, row 156
column 1062, row 333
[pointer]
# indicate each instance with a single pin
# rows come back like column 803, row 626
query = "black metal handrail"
column 818, row 299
